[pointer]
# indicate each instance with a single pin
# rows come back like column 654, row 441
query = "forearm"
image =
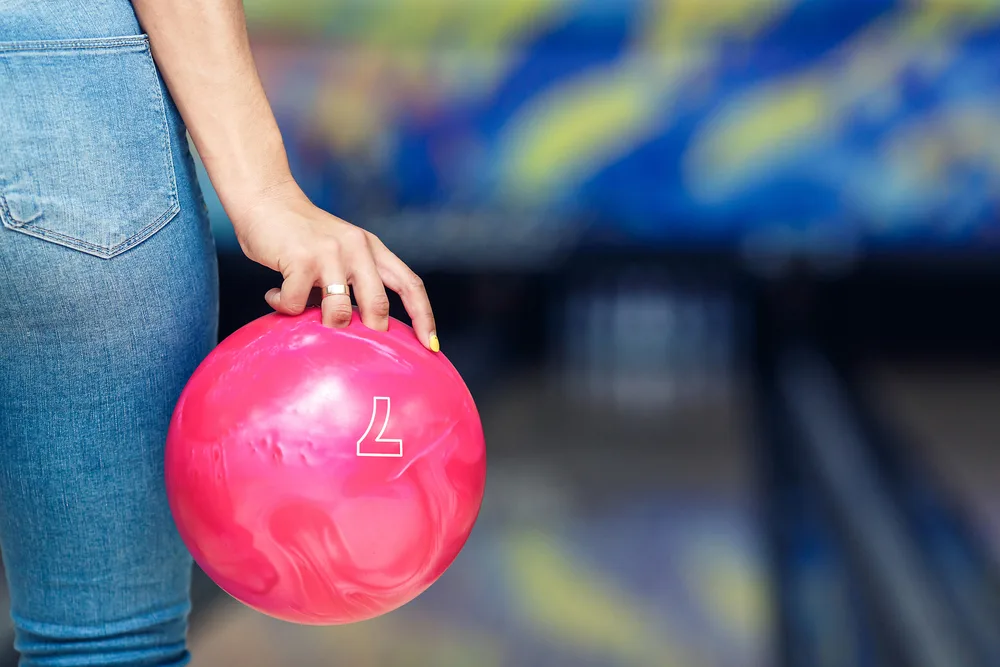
column 203, row 52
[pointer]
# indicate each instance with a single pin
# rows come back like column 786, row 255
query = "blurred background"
column 723, row 278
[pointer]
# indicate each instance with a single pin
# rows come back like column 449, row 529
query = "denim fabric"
column 109, row 301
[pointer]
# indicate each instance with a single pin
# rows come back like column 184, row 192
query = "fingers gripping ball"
column 325, row 476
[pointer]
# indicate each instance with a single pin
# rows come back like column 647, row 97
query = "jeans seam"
column 168, row 614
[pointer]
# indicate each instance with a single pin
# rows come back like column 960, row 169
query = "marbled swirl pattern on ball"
column 270, row 494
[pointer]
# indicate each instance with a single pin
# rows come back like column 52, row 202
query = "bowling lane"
column 950, row 413
column 607, row 539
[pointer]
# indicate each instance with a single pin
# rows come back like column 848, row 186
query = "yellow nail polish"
column 434, row 344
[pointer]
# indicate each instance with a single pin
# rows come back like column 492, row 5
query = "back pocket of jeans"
column 85, row 157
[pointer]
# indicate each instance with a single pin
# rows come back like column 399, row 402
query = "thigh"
column 94, row 353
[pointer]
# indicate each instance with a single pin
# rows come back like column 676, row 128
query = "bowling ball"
column 324, row 476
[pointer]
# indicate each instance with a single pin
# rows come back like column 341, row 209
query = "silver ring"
column 336, row 289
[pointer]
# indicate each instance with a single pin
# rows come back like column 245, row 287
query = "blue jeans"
column 108, row 303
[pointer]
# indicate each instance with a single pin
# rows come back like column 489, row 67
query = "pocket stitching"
column 91, row 248
column 173, row 207
column 95, row 44
column 164, row 144
column 6, row 219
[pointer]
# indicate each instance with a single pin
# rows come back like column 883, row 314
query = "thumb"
column 273, row 299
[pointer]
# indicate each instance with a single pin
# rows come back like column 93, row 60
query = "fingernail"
column 435, row 345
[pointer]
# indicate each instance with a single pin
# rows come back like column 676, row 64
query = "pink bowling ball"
column 325, row 476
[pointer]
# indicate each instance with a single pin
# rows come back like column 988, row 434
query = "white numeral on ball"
column 379, row 445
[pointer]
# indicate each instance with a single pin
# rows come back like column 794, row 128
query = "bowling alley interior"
column 721, row 279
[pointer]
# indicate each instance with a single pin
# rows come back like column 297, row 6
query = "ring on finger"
column 336, row 289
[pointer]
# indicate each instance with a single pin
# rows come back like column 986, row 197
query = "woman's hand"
column 284, row 231
column 203, row 52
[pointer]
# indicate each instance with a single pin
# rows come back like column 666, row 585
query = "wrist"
column 251, row 206
column 245, row 171
column 243, row 190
